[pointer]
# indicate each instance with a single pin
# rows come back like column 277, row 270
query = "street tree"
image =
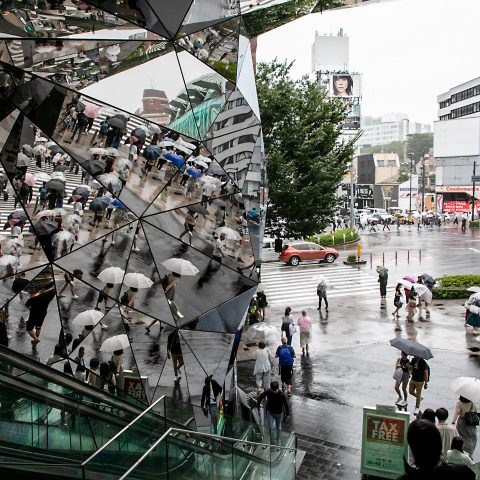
column 419, row 144
column 306, row 156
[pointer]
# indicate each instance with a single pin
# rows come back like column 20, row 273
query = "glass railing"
column 207, row 456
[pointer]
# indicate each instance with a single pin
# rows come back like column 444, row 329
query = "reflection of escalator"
column 48, row 418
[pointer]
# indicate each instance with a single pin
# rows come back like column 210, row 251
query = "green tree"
column 306, row 158
column 392, row 147
column 419, row 144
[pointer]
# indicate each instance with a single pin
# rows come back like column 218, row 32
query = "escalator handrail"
column 56, row 399
column 132, row 423
column 171, row 431
column 46, row 372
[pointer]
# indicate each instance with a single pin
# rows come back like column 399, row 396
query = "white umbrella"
column 427, row 296
column 111, row 275
column 42, row 177
column 123, row 164
column 17, row 242
column 321, row 279
column 9, row 260
column 209, row 179
column 468, row 387
column 98, row 151
column 110, row 179
column 166, row 143
column 58, row 212
column 182, row 148
column 185, row 144
column 88, row 187
column 41, row 139
column 230, row 233
column 420, row 288
column 113, row 152
column 112, row 344
column 203, row 158
column 180, row 266
column 154, row 128
column 261, row 332
column 43, row 214
column 88, row 317
column 63, row 236
column 75, row 218
column 473, row 289
column 137, row 280
column 59, row 176
column 39, row 149
column 201, row 162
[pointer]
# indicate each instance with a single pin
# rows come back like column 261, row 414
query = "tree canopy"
column 306, row 157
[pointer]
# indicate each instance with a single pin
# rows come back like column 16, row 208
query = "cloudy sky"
column 409, row 51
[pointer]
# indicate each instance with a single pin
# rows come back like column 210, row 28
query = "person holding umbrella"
column 189, row 226
column 382, row 280
column 401, row 377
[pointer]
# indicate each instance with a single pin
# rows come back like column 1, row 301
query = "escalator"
column 54, row 426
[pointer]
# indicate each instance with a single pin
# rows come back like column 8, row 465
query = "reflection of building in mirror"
column 236, row 129
column 155, row 106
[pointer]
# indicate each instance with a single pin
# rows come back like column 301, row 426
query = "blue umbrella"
column 151, row 152
column 175, row 159
column 194, row 172
column 118, row 203
column 98, row 204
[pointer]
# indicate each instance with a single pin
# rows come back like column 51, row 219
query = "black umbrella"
column 55, row 149
column 151, row 152
column 94, row 167
column 99, row 204
column 45, row 227
column 18, row 214
column 140, row 134
column 84, row 192
column 55, row 184
column 198, row 208
column 60, row 168
column 118, row 121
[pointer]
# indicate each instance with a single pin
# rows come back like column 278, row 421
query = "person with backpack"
column 285, row 354
column 420, row 377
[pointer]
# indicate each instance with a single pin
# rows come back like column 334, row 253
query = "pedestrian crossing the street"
column 285, row 285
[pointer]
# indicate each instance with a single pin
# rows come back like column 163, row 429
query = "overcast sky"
column 409, row 51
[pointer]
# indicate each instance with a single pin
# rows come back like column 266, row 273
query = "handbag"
column 471, row 418
column 398, row 374
column 292, row 329
column 398, row 304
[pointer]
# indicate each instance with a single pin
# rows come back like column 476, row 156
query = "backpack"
column 284, row 356
column 104, row 127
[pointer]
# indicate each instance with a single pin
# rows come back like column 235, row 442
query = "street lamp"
column 411, row 155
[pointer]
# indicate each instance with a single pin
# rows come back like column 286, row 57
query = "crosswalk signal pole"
column 352, row 200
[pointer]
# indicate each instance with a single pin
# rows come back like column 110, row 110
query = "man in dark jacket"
column 426, row 445
column 276, row 405
column 211, row 390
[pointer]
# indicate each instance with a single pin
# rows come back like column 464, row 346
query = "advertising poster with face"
column 345, row 85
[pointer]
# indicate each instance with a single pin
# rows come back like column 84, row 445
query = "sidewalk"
column 350, row 366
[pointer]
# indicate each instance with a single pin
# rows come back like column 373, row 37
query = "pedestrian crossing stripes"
column 298, row 285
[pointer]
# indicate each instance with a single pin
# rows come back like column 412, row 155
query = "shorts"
column 34, row 323
column 189, row 227
column 286, row 374
column 404, row 380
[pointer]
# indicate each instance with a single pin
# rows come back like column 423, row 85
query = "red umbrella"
column 74, row 198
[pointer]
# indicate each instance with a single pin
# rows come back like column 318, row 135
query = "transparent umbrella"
column 137, row 280
column 112, row 344
column 88, row 317
column 467, row 387
column 261, row 332
column 180, row 266
column 111, row 275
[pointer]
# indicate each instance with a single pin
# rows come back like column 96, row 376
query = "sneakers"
column 104, row 327
column 416, row 411
column 136, row 249
column 399, row 400
column 75, row 297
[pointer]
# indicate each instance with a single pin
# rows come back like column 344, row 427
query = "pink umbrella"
column 29, row 179
column 91, row 111
column 410, row 279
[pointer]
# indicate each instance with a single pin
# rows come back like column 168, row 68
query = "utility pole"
column 473, row 197
column 411, row 155
column 352, row 199
column 423, row 184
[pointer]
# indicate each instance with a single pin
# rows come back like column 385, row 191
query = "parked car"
column 294, row 253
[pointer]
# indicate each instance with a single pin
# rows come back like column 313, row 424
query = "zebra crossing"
column 298, row 285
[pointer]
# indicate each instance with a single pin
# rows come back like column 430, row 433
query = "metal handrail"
column 202, row 434
column 104, row 446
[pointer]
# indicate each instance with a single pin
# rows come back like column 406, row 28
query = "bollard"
column 333, row 240
column 408, row 256
column 344, row 238
column 419, row 255
column 396, row 258
column 383, row 258
column 371, row 261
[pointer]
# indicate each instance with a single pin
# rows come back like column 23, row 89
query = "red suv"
column 294, row 253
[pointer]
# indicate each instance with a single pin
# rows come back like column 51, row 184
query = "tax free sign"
column 384, row 441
